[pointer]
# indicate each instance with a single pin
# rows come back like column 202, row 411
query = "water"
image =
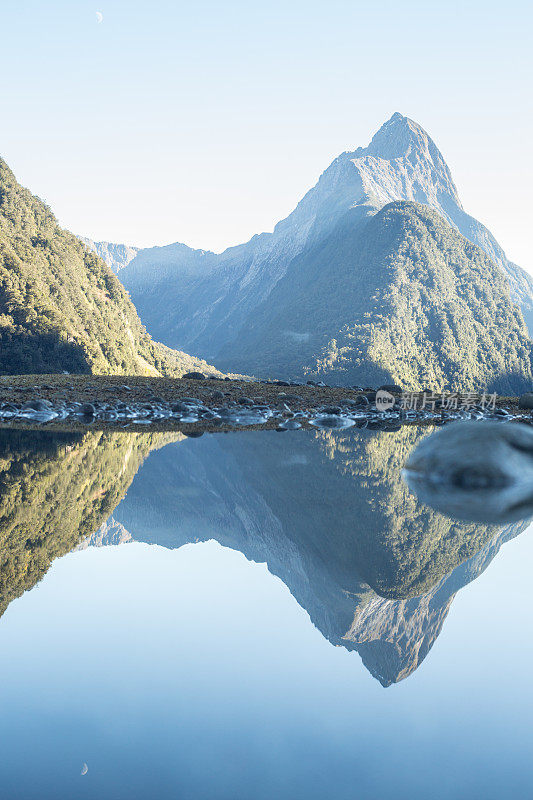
column 254, row 615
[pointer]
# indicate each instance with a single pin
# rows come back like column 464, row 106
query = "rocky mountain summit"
column 116, row 256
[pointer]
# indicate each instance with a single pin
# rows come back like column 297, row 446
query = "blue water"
column 189, row 671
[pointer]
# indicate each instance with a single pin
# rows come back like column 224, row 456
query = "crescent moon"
column 84, row 769
column 99, row 16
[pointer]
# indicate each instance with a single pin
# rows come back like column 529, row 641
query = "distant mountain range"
column 372, row 277
column 116, row 256
column 61, row 307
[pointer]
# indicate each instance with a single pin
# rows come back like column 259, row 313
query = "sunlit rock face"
column 116, row 256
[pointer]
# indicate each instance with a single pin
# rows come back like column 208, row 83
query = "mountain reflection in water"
column 328, row 512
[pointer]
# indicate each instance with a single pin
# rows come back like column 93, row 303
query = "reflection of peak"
column 109, row 533
column 329, row 514
column 394, row 636
column 331, row 518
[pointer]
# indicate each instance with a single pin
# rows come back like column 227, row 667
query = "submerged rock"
column 289, row 425
column 332, row 421
column 37, row 405
column 480, row 471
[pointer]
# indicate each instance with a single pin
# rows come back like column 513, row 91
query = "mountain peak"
column 398, row 137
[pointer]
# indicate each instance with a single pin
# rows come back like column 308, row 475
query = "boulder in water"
column 480, row 471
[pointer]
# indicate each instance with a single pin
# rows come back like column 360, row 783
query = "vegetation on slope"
column 55, row 490
column 61, row 307
column 400, row 297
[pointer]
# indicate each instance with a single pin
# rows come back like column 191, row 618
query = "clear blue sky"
column 206, row 122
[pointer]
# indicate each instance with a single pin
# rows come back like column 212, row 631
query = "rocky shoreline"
column 199, row 404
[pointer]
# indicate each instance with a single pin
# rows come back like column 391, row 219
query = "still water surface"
column 254, row 615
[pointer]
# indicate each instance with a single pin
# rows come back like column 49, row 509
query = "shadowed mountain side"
column 332, row 518
column 25, row 353
column 55, row 490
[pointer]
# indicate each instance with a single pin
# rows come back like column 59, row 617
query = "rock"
column 194, row 376
column 42, row 416
column 209, row 415
column 87, row 408
column 177, row 408
column 247, row 417
column 475, row 470
column 9, row 408
column 392, row 388
column 331, row 410
column 331, row 421
column 217, row 395
column 37, row 405
column 289, row 425
column 526, row 400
